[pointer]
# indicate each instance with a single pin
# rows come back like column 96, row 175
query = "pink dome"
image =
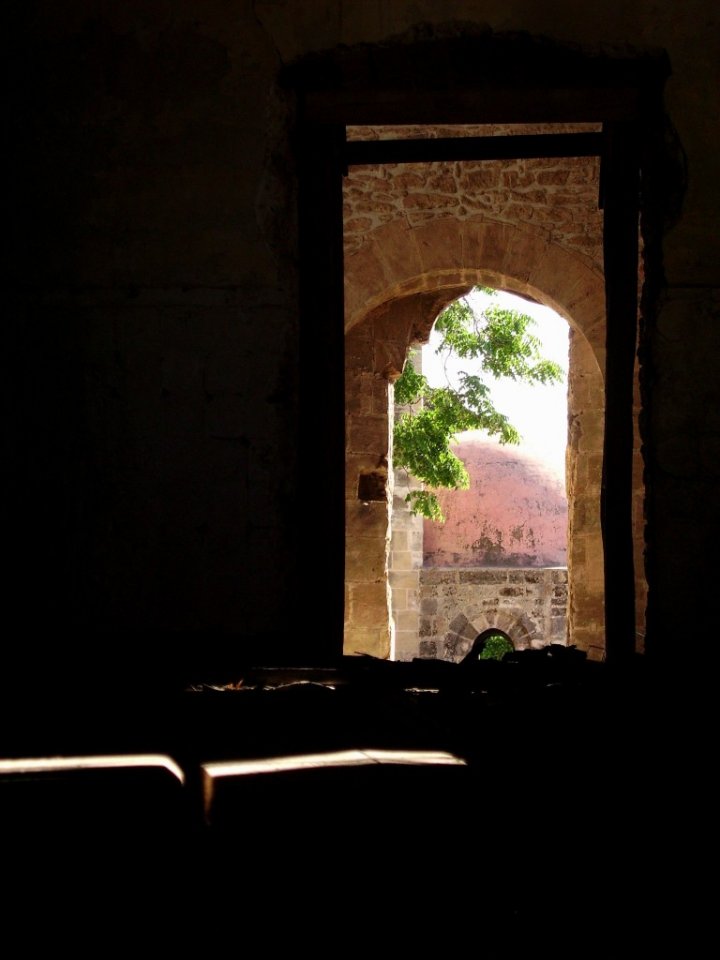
column 513, row 515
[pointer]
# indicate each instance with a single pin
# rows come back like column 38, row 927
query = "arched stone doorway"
column 537, row 86
column 395, row 285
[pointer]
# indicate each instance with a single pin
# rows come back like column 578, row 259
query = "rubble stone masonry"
column 456, row 604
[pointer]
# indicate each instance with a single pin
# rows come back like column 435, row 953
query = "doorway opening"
column 393, row 289
column 530, row 226
column 500, row 553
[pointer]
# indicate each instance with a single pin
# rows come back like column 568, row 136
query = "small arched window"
column 491, row 644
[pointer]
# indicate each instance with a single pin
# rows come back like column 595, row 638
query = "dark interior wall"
column 153, row 364
column 152, row 391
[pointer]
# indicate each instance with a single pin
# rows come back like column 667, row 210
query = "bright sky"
column 538, row 412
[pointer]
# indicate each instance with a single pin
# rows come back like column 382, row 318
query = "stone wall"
column 457, row 604
column 368, row 491
column 406, row 553
column 557, row 198
column 583, row 477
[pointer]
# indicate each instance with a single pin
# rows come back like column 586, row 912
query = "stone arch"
column 514, row 622
column 391, row 283
column 463, row 631
column 399, row 260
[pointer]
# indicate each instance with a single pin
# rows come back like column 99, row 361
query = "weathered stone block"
column 402, row 560
column 367, row 593
column 389, row 359
column 479, row 179
column 449, row 647
column 427, row 649
column 407, row 580
column 481, row 576
column 368, row 434
column 364, row 560
column 406, row 646
column 448, row 591
column 399, row 599
column 406, row 620
column 553, row 176
column 367, row 519
column 428, row 201
column 399, row 541
column 438, row 576
column 375, row 642
column 366, row 615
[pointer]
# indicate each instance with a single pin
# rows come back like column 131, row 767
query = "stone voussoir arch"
column 398, row 260
column 463, row 631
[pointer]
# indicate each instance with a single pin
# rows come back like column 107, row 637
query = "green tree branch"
column 500, row 343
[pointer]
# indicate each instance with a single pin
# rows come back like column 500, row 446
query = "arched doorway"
column 403, row 311
column 343, row 88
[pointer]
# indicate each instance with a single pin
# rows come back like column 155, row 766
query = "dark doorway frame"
column 623, row 94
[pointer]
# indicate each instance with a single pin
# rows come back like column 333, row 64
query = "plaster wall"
column 514, row 513
column 498, row 560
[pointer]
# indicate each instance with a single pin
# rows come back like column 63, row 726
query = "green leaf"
column 499, row 339
column 411, row 386
column 495, row 647
column 424, row 503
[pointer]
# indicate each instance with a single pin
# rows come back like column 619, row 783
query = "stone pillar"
column 367, row 499
column 406, row 551
column 375, row 351
column 406, row 556
column 586, row 600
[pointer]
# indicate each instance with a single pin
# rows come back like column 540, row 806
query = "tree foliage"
column 500, row 343
column 495, row 647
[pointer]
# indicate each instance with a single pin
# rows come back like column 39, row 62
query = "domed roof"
column 513, row 515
